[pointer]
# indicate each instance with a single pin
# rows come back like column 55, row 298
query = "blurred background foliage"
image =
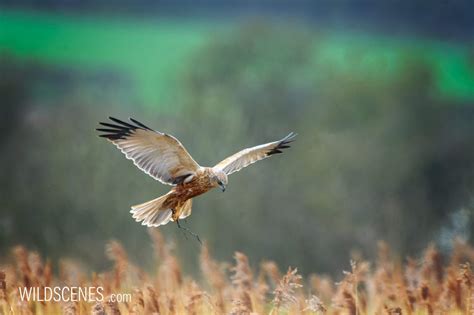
column 385, row 121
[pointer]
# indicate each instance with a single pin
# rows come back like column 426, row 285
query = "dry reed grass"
column 423, row 286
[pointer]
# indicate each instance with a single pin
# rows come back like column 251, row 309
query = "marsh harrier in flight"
column 165, row 159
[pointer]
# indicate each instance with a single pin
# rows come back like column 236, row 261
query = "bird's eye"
column 219, row 182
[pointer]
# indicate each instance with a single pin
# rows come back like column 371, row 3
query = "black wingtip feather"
column 112, row 125
column 119, row 129
column 272, row 152
column 118, row 121
column 106, row 130
column 283, row 144
column 139, row 123
column 111, row 136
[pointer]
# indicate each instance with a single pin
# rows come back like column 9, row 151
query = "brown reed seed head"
column 112, row 307
column 152, row 304
column 465, row 274
column 393, row 310
column 243, row 276
column 3, row 284
column 98, row 309
column 314, row 304
column 211, row 269
column 285, row 292
column 70, row 308
column 159, row 243
column 271, row 269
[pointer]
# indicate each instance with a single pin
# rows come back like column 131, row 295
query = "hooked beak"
column 222, row 187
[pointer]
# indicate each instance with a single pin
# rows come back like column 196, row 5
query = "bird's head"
column 220, row 179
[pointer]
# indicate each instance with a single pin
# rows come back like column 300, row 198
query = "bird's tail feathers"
column 153, row 213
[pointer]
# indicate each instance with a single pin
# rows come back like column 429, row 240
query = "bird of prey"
column 164, row 158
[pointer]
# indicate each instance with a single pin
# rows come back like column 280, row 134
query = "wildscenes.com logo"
column 62, row 294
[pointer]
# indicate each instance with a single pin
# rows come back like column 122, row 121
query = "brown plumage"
column 164, row 158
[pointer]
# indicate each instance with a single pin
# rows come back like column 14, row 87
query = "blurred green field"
column 153, row 52
column 150, row 53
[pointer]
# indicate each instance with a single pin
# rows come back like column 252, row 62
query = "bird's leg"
column 176, row 218
column 182, row 230
column 187, row 230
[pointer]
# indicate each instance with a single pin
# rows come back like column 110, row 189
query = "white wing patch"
column 248, row 156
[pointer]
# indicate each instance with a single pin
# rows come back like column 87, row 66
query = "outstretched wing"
column 158, row 154
column 248, row 156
